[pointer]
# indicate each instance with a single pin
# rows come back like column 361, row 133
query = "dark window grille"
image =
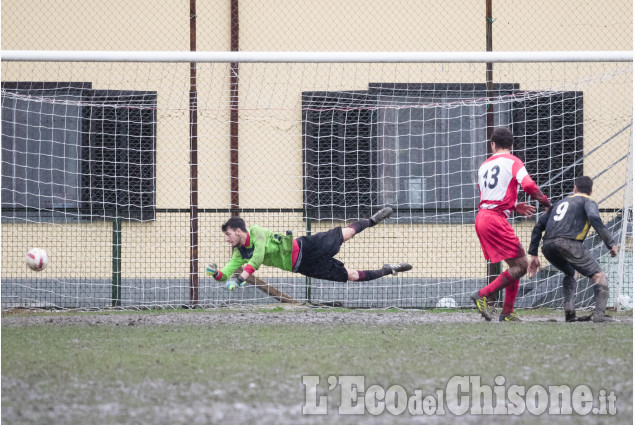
column 88, row 153
column 338, row 146
column 345, row 154
column 548, row 137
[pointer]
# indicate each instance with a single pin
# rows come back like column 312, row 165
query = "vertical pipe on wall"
column 193, row 165
column 493, row 270
column 116, row 261
column 233, row 108
column 307, row 279
column 489, row 72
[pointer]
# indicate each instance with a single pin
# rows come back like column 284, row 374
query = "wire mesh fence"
column 125, row 171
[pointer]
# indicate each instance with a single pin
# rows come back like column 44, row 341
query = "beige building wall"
column 270, row 119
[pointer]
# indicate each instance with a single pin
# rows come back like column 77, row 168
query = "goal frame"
column 303, row 57
column 314, row 57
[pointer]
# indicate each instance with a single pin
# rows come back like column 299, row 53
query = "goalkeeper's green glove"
column 211, row 270
column 234, row 282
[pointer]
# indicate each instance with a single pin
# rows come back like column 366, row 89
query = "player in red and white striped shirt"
column 499, row 177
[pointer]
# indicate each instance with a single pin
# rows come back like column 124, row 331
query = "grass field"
column 246, row 366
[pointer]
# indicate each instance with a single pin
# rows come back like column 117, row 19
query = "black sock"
column 365, row 275
column 568, row 291
column 601, row 295
column 360, row 225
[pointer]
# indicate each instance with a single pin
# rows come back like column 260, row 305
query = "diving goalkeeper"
column 308, row 255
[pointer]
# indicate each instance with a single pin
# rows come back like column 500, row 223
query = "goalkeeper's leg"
column 366, row 275
column 361, row 225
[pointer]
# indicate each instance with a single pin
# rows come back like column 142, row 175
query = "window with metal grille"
column 70, row 150
column 416, row 147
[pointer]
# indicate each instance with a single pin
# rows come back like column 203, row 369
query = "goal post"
column 96, row 161
column 315, row 57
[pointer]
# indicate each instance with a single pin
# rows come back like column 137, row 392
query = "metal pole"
column 116, row 261
column 493, row 269
column 233, row 114
column 625, row 216
column 193, row 165
column 307, row 279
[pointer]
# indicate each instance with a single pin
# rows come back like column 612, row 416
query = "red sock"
column 499, row 283
column 510, row 297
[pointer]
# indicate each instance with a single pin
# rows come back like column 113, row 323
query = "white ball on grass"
column 625, row 301
column 446, row 303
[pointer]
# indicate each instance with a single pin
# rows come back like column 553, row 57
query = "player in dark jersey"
column 565, row 226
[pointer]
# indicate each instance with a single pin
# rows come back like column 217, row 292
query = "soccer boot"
column 380, row 215
column 596, row 318
column 398, row 268
column 569, row 316
column 590, row 318
column 491, row 307
column 481, row 305
column 511, row 317
column 584, row 318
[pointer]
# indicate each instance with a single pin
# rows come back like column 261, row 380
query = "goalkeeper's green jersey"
column 263, row 247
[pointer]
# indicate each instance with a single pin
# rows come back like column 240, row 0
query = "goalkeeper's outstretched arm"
column 224, row 274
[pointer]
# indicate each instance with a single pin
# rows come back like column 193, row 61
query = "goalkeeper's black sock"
column 360, row 225
column 365, row 275
column 364, row 223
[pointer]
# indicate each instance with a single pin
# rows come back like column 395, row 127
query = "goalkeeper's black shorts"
column 316, row 256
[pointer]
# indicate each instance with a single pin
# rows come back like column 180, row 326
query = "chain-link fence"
column 284, row 25
column 125, row 171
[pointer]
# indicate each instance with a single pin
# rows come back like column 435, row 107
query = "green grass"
column 148, row 369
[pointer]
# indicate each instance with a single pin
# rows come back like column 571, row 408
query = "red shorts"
column 498, row 240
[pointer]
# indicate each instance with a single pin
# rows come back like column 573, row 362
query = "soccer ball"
column 37, row 259
column 446, row 303
column 626, row 302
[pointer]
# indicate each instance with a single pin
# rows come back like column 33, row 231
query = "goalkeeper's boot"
column 511, row 317
column 397, row 268
column 481, row 305
column 380, row 215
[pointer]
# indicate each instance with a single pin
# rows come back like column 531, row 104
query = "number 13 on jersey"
column 498, row 181
column 490, row 179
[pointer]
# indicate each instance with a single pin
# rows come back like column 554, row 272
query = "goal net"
column 124, row 172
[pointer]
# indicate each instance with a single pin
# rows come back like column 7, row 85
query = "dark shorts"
column 569, row 255
column 316, row 256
